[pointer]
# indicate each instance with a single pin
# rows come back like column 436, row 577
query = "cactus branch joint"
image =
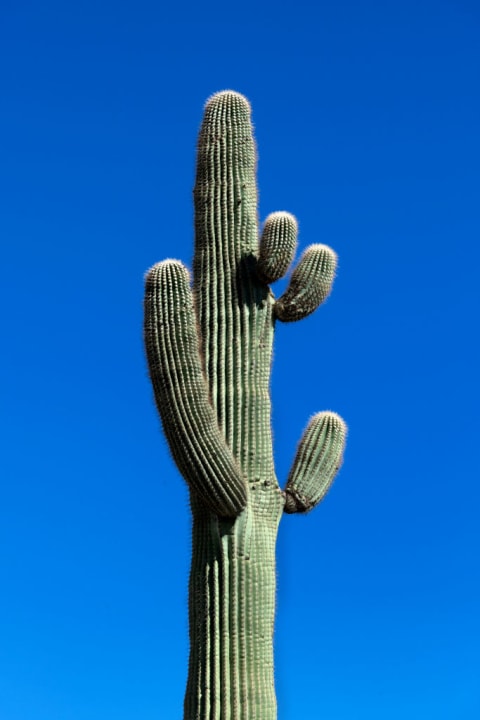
column 209, row 349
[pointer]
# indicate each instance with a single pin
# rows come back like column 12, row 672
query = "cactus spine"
column 209, row 353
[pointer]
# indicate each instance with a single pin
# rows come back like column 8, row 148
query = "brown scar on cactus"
column 209, row 351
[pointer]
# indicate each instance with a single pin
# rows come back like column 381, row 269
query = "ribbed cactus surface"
column 209, row 351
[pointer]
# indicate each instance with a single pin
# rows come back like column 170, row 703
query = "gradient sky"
column 367, row 117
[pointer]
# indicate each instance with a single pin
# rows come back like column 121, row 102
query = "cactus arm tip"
column 318, row 459
column 310, row 284
column 278, row 243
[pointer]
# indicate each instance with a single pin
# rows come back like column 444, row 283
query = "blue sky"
column 366, row 117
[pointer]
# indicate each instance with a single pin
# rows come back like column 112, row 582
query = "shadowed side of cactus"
column 209, row 351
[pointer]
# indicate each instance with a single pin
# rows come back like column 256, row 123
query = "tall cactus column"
column 209, row 352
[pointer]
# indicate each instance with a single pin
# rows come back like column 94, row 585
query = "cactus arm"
column 310, row 284
column 181, row 392
column 277, row 246
column 319, row 456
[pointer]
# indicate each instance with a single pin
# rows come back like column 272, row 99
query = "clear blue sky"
column 367, row 117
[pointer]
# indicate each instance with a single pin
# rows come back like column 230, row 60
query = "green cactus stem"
column 309, row 285
column 209, row 352
column 277, row 246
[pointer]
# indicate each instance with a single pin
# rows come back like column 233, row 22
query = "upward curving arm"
column 181, row 393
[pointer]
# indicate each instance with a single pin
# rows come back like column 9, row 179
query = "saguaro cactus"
column 209, row 353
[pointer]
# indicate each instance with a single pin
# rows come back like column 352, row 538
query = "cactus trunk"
column 209, row 353
column 232, row 585
column 232, row 606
